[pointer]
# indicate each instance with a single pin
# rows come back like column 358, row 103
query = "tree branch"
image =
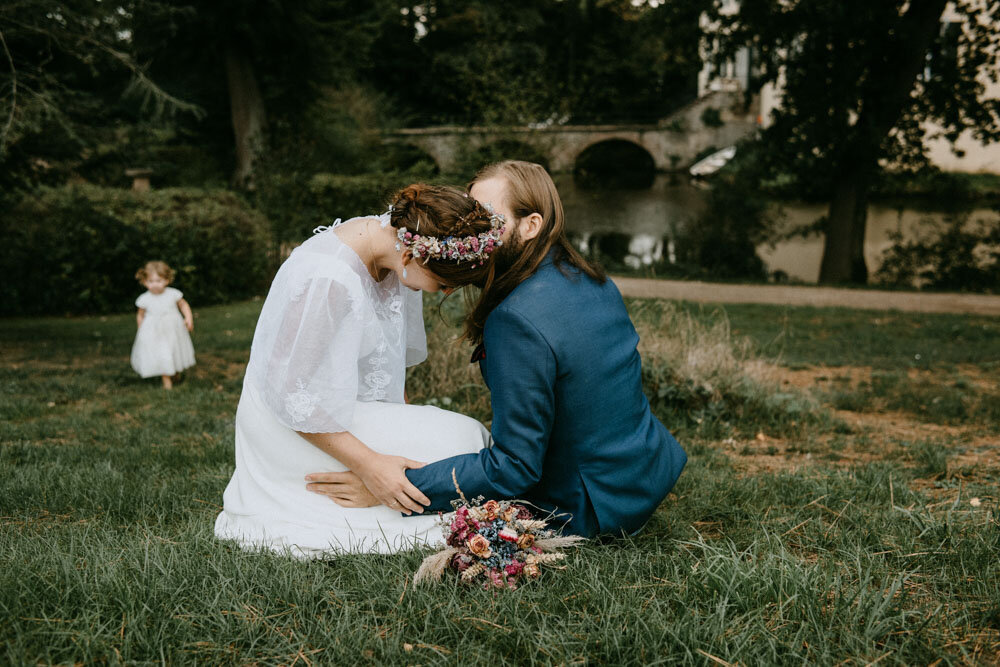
column 13, row 99
column 146, row 86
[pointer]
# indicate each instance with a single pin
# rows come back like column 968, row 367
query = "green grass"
column 949, row 398
column 847, row 337
column 109, row 487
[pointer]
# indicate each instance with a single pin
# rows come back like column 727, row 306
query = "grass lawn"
column 840, row 507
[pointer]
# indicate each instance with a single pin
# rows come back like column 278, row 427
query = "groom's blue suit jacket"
column 572, row 430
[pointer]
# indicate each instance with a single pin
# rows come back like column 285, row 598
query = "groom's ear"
column 531, row 225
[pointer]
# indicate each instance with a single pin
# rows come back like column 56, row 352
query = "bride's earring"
column 404, row 271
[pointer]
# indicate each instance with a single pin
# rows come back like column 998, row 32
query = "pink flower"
column 514, row 568
column 461, row 562
column 457, row 538
column 496, row 579
column 480, row 546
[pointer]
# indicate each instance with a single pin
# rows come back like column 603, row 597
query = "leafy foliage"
column 297, row 205
column 956, row 256
column 473, row 61
column 738, row 218
column 75, row 249
column 70, row 88
column 859, row 82
column 825, row 53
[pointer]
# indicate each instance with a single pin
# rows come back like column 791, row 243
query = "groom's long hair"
column 529, row 190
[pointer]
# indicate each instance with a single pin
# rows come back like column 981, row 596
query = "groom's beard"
column 505, row 256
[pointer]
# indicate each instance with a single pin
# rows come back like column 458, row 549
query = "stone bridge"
column 712, row 121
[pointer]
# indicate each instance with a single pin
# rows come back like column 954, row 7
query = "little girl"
column 162, row 344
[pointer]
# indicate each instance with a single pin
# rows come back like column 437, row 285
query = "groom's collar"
column 550, row 257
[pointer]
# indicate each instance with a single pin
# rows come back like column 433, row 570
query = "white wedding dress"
column 329, row 354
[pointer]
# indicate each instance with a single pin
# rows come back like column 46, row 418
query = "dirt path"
column 976, row 304
column 874, row 435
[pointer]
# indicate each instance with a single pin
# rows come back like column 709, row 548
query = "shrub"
column 953, row 256
column 349, row 196
column 471, row 158
column 712, row 117
column 943, row 190
column 297, row 203
column 738, row 217
column 76, row 249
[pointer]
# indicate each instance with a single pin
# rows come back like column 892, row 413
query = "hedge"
column 75, row 249
column 298, row 204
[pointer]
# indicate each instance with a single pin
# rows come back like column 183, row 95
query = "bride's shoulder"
column 321, row 257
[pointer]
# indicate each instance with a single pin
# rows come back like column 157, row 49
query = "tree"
column 254, row 60
column 859, row 81
column 68, row 81
column 536, row 61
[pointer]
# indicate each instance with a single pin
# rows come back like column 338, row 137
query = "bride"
column 324, row 388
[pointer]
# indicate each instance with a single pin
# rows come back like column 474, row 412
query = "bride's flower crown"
column 473, row 248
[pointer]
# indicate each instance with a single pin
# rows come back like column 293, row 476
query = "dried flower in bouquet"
column 494, row 543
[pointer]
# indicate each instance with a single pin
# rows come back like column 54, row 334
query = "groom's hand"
column 344, row 488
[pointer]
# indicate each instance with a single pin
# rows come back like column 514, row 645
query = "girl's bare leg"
column 167, row 382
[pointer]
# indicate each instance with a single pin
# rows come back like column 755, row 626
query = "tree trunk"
column 844, row 249
column 247, row 110
column 905, row 54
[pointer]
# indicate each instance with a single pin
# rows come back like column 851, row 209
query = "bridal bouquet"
column 494, row 543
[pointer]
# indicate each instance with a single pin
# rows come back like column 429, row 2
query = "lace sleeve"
column 304, row 360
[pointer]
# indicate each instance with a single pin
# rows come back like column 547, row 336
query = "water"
column 643, row 223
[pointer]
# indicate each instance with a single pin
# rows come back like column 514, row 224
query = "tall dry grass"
column 448, row 379
column 699, row 376
column 696, row 373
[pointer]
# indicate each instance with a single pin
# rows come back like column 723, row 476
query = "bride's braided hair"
column 438, row 212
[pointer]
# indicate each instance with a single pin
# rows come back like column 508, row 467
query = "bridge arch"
column 615, row 162
column 673, row 143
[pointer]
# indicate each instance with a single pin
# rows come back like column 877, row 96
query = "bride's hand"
column 385, row 478
column 344, row 488
column 381, row 481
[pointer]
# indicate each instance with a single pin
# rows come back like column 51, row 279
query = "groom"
column 572, row 430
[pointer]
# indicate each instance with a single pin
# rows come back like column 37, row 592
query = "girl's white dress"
column 329, row 355
column 162, row 344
